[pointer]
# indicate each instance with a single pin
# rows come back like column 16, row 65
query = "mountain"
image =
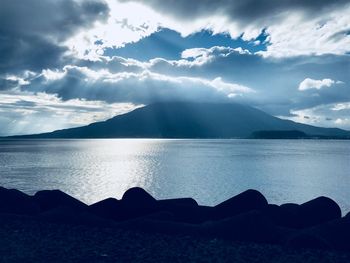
column 189, row 120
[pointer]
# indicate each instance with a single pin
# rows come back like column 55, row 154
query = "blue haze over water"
column 208, row 170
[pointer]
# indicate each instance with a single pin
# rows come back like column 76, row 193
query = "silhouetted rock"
column 48, row 199
column 160, row 216
column 137, row 196
column 286, row 215
column 314, row 212
column 245, row 217
column 250, row 226
column 244, row 202
column 199, row 214
column 290, row 208
column 71, row 215
column 186, row 210
column 107, row 208
column 305, row 240
column 149, row 225
column 273, row 212
column 137, row 202
column 15, row 202
column 190, row 214
column 178, row 201
column 336, row 233
column 317, row 211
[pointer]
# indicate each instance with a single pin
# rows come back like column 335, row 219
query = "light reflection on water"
column 208, row 170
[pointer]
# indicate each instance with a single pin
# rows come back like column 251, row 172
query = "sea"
column 210, row 171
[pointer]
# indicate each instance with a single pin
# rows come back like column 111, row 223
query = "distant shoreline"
column 204, row 139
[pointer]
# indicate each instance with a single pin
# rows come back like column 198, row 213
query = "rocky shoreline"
column 242, row 222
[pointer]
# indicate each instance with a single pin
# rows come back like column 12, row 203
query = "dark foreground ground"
column 52, row 226
column 29, row 240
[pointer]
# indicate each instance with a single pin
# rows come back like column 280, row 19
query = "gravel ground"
column 27, row 240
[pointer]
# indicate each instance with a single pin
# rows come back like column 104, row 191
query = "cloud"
column 341, row 106
column 169, row 44
column 245, row 11
column 125, row 23
column 318, row 34
column 57, row 58
column 207, row 74
column 293, row 27
column 26, row 113
column 114, row 65
column 32, row 34
column 11, row 82
column 308, row 83
column 326, row 115
column 275, row 81
column 141, row 88
column 231, row 63
column 201, row 56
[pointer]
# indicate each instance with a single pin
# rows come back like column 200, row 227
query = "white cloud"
column 19, row 80
column 75, row 96
column 315, row 35
column 127, row 23
column 26, row 112
column 195, row 57
column 292, row 32
column 324, row 115
column 75, row 33
column 294, row 28
column 341, row 106
column 308, row 83
column 136, row 87
column 201, row 56
column 52, row 74
column 345, row 122
column 231, row 89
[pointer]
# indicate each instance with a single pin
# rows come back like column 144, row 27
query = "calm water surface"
column 208, row 170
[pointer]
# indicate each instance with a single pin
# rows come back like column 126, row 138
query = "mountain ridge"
column 188, row 120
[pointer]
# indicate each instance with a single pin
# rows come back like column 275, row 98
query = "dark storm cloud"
column 6, row 84
column 243, row 11
column 32, row 31
column 28, row 52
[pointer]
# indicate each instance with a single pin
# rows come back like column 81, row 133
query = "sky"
column 67, row 63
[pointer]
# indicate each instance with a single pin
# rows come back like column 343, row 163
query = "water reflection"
column 208, row 170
